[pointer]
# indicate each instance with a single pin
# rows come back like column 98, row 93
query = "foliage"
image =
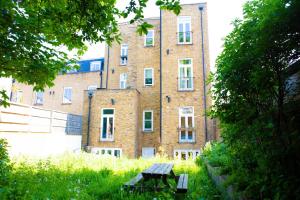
column 5, row 166
column 33, row 33
column 87, row 176
column 216, row 154
column 261, row 136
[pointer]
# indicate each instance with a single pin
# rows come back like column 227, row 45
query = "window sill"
column 148, row 86
column 179, row 44
column 66, row 103
column 106, row 140
column 187, row 142
column 186, row 90
column 147, row 46
column 123, row 64
column 38, row 104
column 150, row 131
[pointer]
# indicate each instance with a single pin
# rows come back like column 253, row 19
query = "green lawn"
column 87, row 176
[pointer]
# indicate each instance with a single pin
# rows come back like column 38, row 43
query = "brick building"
column 153, row 98
column 68, row 90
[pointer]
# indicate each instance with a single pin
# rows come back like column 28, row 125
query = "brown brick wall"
column 78, row 81
column 126, row 119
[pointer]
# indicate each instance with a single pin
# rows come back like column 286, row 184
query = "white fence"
column 35, row 131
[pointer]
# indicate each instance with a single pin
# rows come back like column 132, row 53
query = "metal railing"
column 184, row 37
column 185, row 83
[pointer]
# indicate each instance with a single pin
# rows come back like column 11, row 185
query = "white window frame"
column 101, row 125
column 123, row 79
column 195, row 153
column 99, row 151
column 92, row 87
column 186, row 78
column 152, row 125
column 125, row 54
column 93, row 64
column 64, row 101
column 184, row 20
column 186, row 140
column 36, row 98
column 152, row 76
column 146, row 37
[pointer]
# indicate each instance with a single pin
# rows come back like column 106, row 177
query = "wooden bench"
column 131, row 184
column 182, row 184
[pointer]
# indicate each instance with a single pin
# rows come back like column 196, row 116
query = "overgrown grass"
column 87, row 176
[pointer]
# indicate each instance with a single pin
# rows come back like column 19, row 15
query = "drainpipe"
column 201, row 8
column 160, row 76
column 107, row 67
column 90, row 96
column 100, row 78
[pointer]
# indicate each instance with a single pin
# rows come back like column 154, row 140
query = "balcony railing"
column 185, row 83
column 186, row 131
column 185, row 37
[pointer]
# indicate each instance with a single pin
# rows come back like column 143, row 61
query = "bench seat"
column 132, row 182
column 182, row 184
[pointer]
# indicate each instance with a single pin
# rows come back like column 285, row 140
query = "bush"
column 5, row 166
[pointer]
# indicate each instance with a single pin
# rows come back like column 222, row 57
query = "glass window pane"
column 148, row 81
column 150, row 34
column 190, row 135
column 104, row 127
column 148, row 125
column 187, row 27
column 181, row 36
column 183, row 155
column 109, row 152
column 108, row 111
column 182, row 83
column 110, row 128
column 180, row 28
column 182, row 135
column 102, row 151
column 190, row 122
column 182, row 122
column 148, row 115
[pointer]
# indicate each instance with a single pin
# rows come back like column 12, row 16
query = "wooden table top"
column 159, row 169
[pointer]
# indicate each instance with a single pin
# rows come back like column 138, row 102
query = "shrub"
column 5, row 166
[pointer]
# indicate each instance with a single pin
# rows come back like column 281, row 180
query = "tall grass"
column 88, row 176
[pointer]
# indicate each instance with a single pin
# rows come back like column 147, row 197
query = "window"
column 186, row 124
column 107, row 128
column 185, row 74
column 67, row 98
column 148, row 76
column 124, row 54
column 18, row 96
column 148, row 152
column 92, row 87
column 184, row 34
column 95, row 66
column 116, row 152
column 39, row 97
column 149, row 39
column 186, row 154
column 148, row 121
column 123, row 81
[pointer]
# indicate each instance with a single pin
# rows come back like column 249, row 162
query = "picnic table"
column 159, row 172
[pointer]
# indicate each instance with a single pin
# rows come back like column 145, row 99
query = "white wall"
column 5, row 84
column 41, row 144
column 34, row 131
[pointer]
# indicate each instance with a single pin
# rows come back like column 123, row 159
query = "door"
column 148, row 152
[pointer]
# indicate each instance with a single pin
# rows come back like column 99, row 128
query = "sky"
column 220, row 15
